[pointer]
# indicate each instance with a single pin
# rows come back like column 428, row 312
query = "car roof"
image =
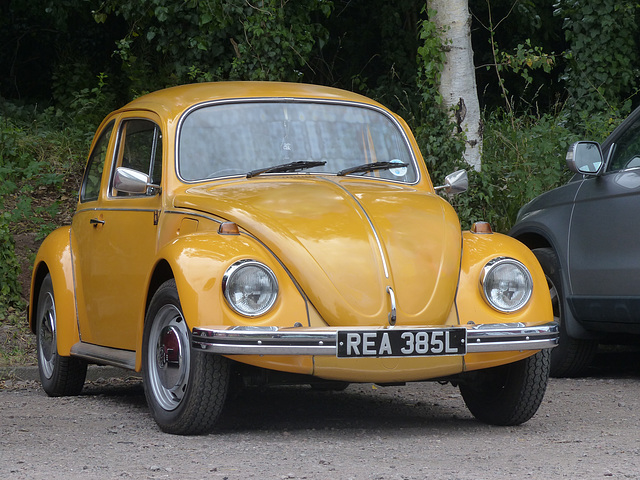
column 175, row 100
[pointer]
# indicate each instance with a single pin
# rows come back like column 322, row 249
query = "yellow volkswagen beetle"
column 227, row 229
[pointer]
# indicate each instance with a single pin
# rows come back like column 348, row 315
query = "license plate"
column 401, row 343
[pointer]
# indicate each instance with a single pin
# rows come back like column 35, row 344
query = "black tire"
column 572, row 356
column 509, row 394
column 185, row 389
column 60, row 376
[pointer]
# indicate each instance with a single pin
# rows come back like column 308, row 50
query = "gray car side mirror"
column 585, row 158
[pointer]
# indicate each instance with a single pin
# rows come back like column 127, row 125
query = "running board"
column 104, row 355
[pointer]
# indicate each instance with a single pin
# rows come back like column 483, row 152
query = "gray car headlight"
column 250, row 287
column 506, row 284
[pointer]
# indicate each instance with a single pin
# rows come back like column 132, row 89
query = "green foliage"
column 523, row 61
column 278, row 39
column 40, row 165
column 603, row 69
column 523, row 157
column 509, row 33
column 171, row 42
column 431, row 59
column 88, row 106
column 9, row 268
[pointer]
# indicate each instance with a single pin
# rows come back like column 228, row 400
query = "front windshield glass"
column 238, row 138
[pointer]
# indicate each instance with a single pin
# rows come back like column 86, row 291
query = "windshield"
column 240, row 138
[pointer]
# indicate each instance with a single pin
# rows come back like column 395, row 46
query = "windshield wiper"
column 370, row 167
column 285, row 167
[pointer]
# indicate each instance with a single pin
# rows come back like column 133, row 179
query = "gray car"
column 585, row 237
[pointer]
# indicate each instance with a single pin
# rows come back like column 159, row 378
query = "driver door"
column 604, row 253
column 116, row 240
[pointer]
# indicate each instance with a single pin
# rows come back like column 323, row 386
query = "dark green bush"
column 9, row 268
column 41, row 162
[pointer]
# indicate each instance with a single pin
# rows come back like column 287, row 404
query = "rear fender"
column 55, row 258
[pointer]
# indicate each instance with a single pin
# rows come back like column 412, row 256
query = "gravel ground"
column 586, row 428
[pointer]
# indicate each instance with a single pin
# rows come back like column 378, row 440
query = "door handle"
column 96, row 221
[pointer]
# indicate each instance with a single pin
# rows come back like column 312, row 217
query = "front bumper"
column 502, row 337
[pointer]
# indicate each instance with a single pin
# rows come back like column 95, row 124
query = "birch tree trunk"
column 458, row 79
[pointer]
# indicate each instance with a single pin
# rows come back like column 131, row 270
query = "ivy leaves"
column 196, row 40
column 603, row 63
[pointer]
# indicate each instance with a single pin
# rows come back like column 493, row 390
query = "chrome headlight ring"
column 506, row 284
column 250, row 288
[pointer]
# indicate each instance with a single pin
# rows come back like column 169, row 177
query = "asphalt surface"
column 586, row 428
column 94, row 372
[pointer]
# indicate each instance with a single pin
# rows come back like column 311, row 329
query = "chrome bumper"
column 309, row 341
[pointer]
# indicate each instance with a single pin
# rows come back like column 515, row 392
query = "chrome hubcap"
column 47, row 335
column 168, row 357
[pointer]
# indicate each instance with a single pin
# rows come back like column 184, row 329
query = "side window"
column 140, row 148
column 93, row 174
column 626, row 149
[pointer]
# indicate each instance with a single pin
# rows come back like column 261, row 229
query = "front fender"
column 478, row 250
column 55, row 257
column 198, row 262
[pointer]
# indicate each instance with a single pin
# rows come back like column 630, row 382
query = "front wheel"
column 59, row 375
column 509, row 394
column 185, row 389
column 572, row 356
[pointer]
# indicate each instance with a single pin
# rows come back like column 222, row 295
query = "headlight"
column 506, row 284
column 250, row 287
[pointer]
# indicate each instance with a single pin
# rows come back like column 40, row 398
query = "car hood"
column 345, row 241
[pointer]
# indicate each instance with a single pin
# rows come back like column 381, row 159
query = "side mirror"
column 454, row 183
column 132, row 181
column 585, row 158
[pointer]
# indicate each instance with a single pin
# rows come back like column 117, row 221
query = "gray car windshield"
column 238, row 138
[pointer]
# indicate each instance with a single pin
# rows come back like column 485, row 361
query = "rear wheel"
column 509, row 394
column 572, row 356
column 59, row 375
column 185, row 389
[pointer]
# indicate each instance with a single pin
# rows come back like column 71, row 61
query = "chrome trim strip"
column 392, row 313
column 265, row 341
column 117, row 209
column 511, row 336
column 322, row 341
column 191, row 212
column 373, row 228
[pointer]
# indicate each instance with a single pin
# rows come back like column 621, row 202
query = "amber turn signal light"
column 228, row 228
column 481, row 227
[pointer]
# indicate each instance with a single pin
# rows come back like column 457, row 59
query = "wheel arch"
column 533, row 239
column 161, row 273
column 40, row 271
column 54, row 257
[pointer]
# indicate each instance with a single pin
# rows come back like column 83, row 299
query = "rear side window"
column 93, row 174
